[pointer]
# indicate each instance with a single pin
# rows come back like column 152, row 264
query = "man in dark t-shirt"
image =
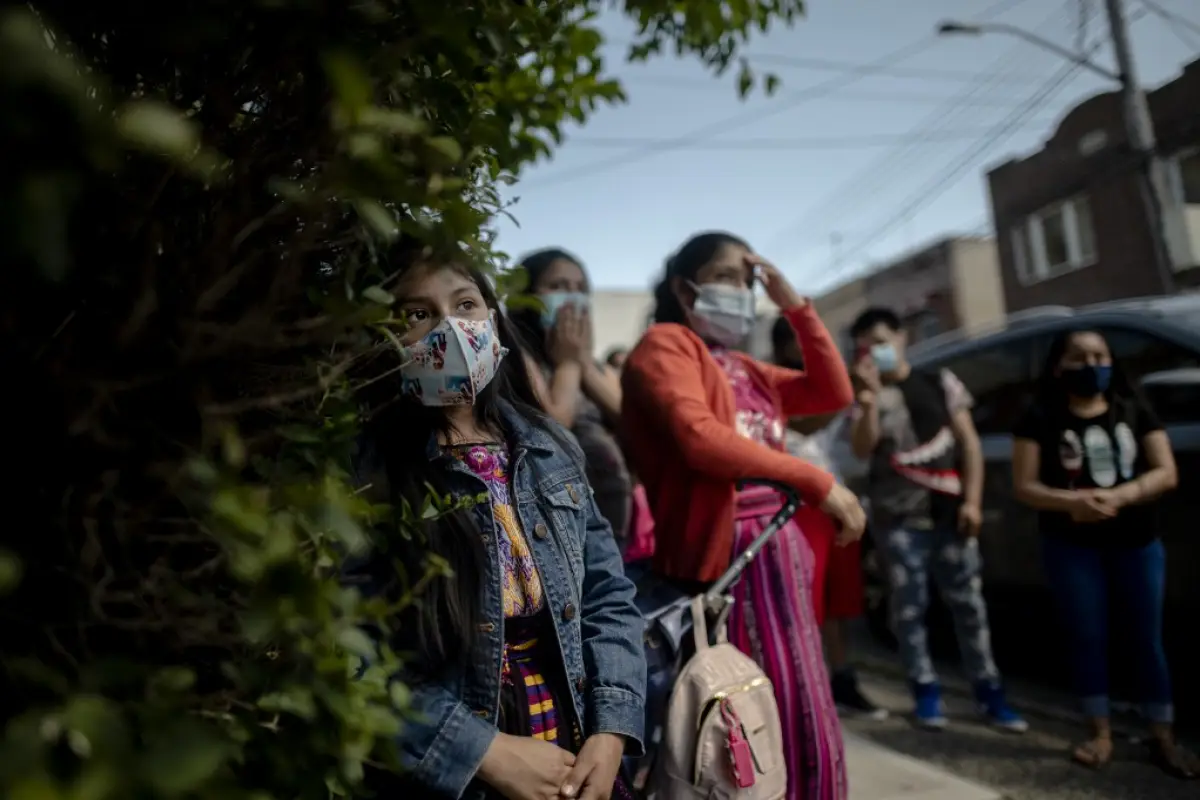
column 925, row 483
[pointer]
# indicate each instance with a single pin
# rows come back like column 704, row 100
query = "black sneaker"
column 849, row 697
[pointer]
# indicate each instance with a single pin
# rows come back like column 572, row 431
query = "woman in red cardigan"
column 698, row 416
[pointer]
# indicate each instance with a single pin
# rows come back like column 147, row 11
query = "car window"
column 1174, row 402
column 1141, row 352
column 1000, row 378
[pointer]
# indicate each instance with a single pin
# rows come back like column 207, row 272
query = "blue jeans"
column 1082, row 580
column 955, row 564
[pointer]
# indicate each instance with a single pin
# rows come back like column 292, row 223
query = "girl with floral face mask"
column 698, row 416
column 527, row 674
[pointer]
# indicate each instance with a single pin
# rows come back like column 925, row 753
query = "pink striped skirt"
column 773, row 622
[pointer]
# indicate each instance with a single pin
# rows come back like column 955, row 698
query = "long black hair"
column 527, row 317
column 685, row 263
column 1122, row 393
column 440, row 625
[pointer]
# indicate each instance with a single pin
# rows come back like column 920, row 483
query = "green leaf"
column 378, row 219
column 158, row 128
column 173, row 680
column 377, row 294
column 355, row 641
column 295, row 701
column 448, row 147
column 10, row 571
column 182, row 755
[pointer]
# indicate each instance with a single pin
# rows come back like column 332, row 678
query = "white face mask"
column 723, row 314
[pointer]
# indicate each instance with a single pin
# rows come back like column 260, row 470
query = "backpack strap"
column 700, row 623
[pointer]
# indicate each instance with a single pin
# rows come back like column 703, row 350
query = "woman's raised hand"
column 570, row 338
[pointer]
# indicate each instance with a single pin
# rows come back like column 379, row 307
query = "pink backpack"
column 641, row 544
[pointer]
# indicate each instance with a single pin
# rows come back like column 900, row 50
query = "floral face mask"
column 450, row 365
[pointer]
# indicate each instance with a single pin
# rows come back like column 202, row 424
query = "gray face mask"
column 723, row 314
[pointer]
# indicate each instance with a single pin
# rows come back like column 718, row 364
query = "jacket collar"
column 523, row 434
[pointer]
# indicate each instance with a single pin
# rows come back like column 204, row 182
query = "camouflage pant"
column 954, row 562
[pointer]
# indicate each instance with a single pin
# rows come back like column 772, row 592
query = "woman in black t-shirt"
column 1093, row 459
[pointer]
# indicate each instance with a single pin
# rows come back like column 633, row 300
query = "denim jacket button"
column 540, row 530
column 573, row 494
column 580, row 684
column 487, row 627
column 569, row 612
column 481, row 713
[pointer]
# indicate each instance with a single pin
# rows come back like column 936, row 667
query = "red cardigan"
column 678, row 425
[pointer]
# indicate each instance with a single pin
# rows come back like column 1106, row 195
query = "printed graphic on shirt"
column 914, row 476
column 1102, row 465
column 1107, row 462
column 931, row 464
column 1070, row 453
column 1128, row 449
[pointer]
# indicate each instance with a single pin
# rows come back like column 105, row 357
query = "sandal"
column 1174, row 760
column 1095, row 753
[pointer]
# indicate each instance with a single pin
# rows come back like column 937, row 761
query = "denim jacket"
column 599, row 629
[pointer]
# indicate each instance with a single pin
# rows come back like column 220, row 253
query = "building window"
column 1185, row 176
column 1054, row 241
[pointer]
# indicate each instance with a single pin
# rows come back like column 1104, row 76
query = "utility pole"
column 1151, row 175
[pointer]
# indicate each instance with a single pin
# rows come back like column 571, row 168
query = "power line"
column 829, row 65
column 938, row 186
column 636, row 81
column 847, row 142
column 1173, row 20
column 790, row 101
column 873, row 178
column 929, row 193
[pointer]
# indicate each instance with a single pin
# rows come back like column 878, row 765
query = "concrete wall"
column 976, row 284
column 619, row 318
column 839, row 308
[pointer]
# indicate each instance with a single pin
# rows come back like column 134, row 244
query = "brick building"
column 1070, row 222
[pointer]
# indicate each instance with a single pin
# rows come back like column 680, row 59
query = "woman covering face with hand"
column 554, row 318
column 698, row 416
column 527, row 674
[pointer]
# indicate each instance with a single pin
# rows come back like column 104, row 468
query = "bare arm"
column 1162, row 477
column 559, row 396
column 864, row 429
column 972, row 456
column 602, row 385
column 1027, row 488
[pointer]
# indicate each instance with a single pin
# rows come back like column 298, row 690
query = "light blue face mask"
column 885, row 358
column 555, row 301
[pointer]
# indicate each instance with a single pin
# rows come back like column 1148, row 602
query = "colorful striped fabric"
column 523, row 671
column 773, row 619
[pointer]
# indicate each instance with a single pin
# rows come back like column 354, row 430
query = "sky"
column 844, row 167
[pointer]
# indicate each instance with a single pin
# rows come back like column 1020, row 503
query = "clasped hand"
column 524, row 768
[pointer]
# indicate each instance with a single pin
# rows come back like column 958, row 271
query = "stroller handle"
column 789, row 492
column 791, row 503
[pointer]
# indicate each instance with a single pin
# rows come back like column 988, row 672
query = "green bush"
column 192, row 210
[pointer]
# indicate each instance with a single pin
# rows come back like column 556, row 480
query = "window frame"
column 1178, row 185
column 1030, row 257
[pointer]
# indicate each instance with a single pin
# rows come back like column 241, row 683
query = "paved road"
column 1029, row 767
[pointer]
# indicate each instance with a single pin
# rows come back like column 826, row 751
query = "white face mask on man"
column 723, row 314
